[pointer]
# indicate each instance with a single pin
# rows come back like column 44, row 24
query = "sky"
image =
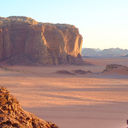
column 102, row 23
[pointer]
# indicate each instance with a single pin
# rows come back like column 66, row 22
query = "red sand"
column 72, row 101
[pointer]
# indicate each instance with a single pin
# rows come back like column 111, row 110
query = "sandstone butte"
column 13, row 116
column 24, row 40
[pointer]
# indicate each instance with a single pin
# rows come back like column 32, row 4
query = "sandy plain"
column 72, row 101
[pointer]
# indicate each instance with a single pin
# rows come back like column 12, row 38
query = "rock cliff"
column 24, row 40
column 13, row 116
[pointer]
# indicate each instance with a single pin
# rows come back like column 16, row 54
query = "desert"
column 63, row 64
column 87, row 100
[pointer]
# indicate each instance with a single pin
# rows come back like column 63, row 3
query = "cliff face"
column 23, row 38
column 13, row 116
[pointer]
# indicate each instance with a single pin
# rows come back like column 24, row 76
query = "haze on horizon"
column 103, row 24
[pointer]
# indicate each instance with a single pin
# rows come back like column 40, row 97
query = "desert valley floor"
column 95, row 100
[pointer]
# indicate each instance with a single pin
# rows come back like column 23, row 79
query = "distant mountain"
column 111, row 52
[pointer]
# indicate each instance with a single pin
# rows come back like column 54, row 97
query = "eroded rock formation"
column 13, row 116
column 23, row 40
column 111, row 67
column 116, row 69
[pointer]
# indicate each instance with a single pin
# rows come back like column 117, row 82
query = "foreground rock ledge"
column 13, row 116
column 25, row 41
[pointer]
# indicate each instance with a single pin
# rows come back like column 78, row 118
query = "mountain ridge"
column 110, row 52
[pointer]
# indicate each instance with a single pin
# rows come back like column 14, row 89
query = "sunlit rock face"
column 13, row 116
column 24, row 40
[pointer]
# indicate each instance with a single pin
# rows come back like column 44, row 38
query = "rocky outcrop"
column 24, row 40
column 111, row 67
column 13, row 116
column 73, row 72
column 116, row 69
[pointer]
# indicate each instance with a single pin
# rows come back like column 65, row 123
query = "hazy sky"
column 102, row 23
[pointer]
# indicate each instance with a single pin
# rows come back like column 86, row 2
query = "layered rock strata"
column 24, row 40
